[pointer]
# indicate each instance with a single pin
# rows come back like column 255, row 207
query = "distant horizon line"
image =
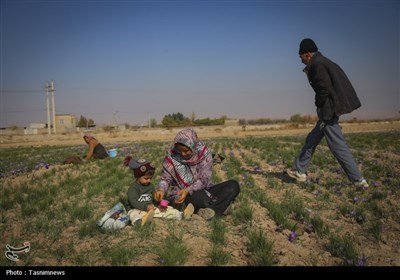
column 348, row 119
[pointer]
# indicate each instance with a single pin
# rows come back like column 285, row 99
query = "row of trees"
column 84, row 122
column 170, row 120
column 297, row 118
column 180, row 120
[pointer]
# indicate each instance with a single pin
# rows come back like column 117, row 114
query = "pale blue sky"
column 121, row 59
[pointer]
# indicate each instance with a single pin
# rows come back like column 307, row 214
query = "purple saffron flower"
column 336, row 189
column 362, row 261
column 292, row 236
column 309, row 227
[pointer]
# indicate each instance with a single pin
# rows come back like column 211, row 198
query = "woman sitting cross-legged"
column 186, row 178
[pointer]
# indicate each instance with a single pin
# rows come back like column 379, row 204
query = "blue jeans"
column 337, row 145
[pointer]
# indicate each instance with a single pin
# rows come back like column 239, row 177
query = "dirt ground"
column 306, row 251
column 204, row 133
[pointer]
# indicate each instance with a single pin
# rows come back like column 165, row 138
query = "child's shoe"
column 148, row 217
column 188, row 212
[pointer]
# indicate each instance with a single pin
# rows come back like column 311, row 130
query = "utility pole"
column 115, row 119
column 52, row 90
column 48, row 109
column 148, row 118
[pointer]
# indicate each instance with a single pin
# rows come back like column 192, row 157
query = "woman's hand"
column 182, row 196
column 158, row 195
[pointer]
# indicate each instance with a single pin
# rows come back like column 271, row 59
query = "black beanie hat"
column 307, row 45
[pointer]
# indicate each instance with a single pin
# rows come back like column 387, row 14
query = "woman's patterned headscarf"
column 179, row 167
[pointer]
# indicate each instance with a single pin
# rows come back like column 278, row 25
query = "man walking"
column 334, row 96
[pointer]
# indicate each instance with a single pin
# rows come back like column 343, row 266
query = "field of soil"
column 204, row 133
column 262, row 178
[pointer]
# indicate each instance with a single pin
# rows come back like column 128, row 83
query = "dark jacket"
column 334, row 94
column 139, row 197
column 100, row 152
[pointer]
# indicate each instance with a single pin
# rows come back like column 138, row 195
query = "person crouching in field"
column 140, row 197
column 186, row 178
column 96, row 149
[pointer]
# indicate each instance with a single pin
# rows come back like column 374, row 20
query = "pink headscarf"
column 88, row 136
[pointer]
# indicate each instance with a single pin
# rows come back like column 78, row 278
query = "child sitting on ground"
column 140, row 197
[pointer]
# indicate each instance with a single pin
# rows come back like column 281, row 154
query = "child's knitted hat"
column 140, row 167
